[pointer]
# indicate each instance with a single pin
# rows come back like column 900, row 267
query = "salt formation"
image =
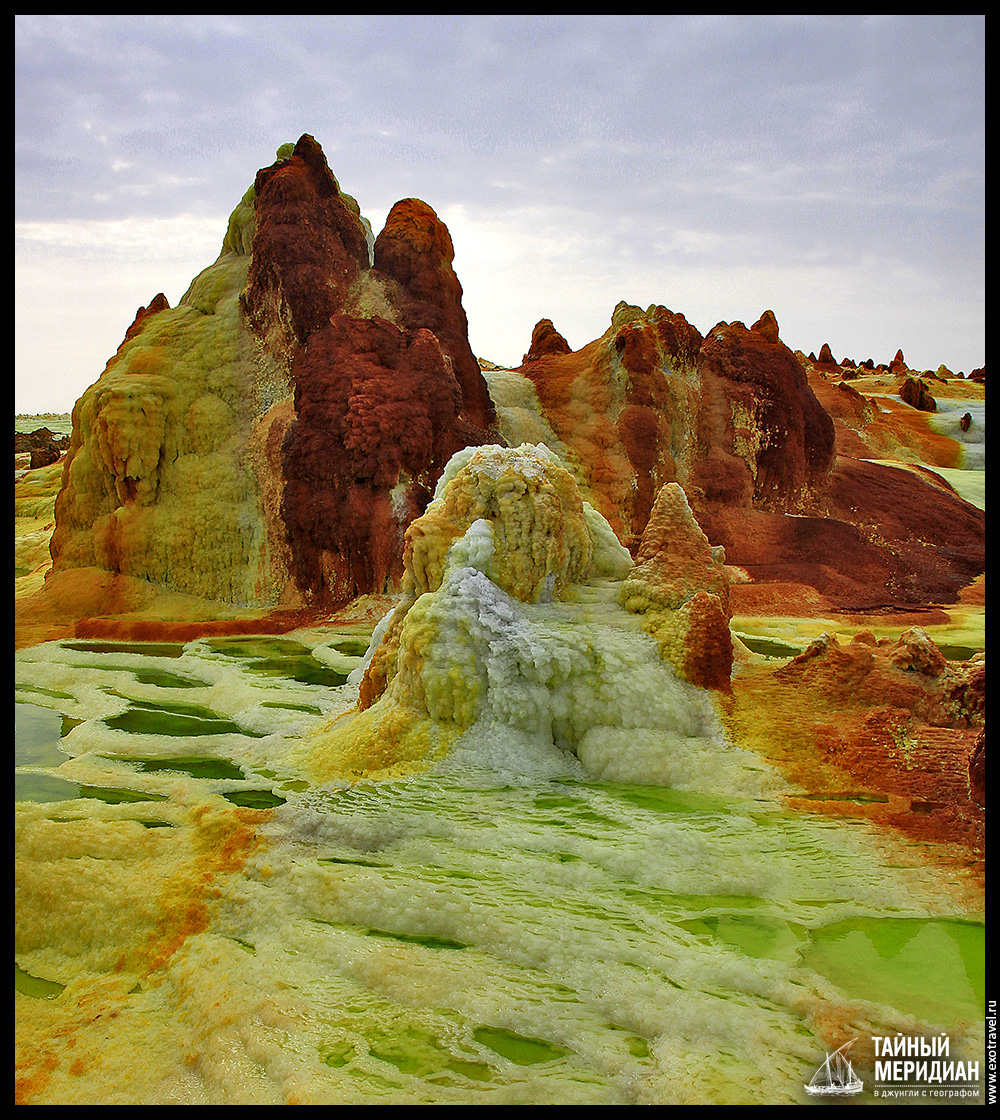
column 444, row 939
column 510, row 629
column 774, row 458
column 268, row 440
column 157, row 483
column 266, row 443
column 681, row 587
column 728, row 416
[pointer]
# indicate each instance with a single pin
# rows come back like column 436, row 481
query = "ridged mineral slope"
column 510, row 626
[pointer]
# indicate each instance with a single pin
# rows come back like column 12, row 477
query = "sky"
column 830, row 168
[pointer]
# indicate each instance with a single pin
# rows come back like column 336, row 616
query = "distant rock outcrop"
column 545, row 339
column 43, row 447
column 767, row 325
column 915, row 391
column 734, row 420
column 765, row 439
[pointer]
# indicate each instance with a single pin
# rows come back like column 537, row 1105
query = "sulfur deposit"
column 269, row 439
column 510, row 627
column 199, row 919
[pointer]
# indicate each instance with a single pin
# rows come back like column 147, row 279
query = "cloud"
column 78, row 285
column 576, row 158
column 157, row 240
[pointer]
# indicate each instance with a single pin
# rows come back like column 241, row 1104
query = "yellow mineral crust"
column 107, row 907
column 510, row 619
column 534, row 507
column 159, row 482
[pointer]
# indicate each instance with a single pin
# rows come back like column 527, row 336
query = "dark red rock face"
column 545, row 339
column 934, row 538
column 744, row 432
column 708, row 647
column 649, row 425
column 158, row 303
column 415, row 250
column 380, row 406
column 309, row 246
column 377, row 418
column 977, row 770
column 889, row 717
column 879, row 537
column 43, row 457
column 914, row 392
column 767, row 325
column 43, row 441
column 757, row 406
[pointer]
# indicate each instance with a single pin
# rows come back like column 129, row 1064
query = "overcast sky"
column 830, row 168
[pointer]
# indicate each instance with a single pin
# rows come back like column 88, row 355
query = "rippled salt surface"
column 500, row 929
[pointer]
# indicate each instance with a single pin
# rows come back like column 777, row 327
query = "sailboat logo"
column 836, row 1076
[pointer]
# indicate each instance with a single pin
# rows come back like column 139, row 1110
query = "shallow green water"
column 35, row 986
column 488, row 934
column 144, row 649
column 193, row 765
column 37, row 734
column 279, row 658
column 933, row 967
column 769, row 647
column 171, row 719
